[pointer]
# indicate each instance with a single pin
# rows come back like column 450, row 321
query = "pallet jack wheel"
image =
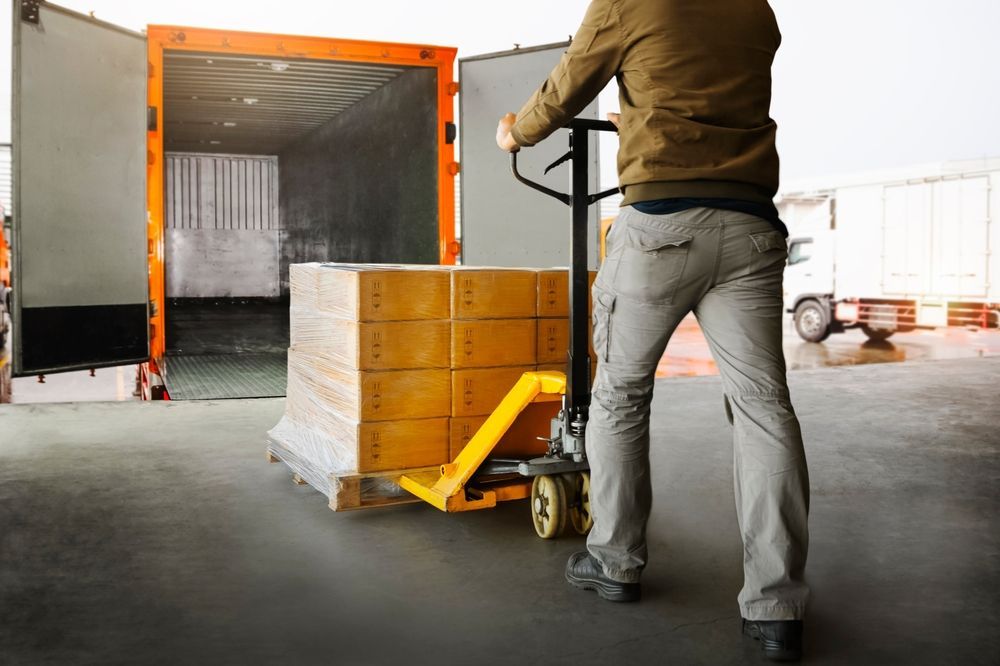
column 548, row 506
column 578, row 498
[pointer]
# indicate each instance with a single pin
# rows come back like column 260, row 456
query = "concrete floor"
column 687, row 355
column 155, row 533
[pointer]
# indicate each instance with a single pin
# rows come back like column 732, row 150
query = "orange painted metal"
column 162, row 37
column 4, row 259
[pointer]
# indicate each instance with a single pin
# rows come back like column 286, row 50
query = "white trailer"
column 894, row 251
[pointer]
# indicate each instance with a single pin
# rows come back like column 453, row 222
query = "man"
column 698, row 232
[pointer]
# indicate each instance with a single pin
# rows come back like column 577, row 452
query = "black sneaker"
column 586, row 573
column 781, row 640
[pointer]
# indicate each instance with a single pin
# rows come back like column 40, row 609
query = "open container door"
column 504, row 223
column 80, row 273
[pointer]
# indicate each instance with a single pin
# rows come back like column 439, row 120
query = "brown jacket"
column 695, row 93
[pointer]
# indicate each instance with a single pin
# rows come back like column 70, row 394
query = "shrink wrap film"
column 369, row 395
column 395, row 345
column 379, row 292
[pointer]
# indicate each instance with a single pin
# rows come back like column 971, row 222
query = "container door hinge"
column 151, row 118
column 450, row 132
column 29, row 11
column 454, row 88
column 454, row 168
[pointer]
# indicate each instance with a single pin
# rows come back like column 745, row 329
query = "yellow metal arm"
column 445, row 491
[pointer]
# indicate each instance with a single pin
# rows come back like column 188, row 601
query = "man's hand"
column 504, row 138
column 616, row 119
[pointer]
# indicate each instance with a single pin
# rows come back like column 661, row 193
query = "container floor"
column 156, row 533
column 226, row 349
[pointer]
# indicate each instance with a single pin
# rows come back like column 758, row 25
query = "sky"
column 859, row 85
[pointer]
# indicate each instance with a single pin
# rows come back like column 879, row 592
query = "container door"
column 961, row 238
column 906, row 239
column 80, row 276
column 504, row 223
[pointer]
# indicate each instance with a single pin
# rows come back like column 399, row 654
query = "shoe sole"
column 604, row 591
column 772, row 649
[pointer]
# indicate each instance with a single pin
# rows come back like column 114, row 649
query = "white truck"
column 895, row 251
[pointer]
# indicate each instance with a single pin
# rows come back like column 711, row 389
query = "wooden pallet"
column 347, row 492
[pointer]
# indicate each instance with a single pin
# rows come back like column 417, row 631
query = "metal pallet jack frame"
column 558, row 482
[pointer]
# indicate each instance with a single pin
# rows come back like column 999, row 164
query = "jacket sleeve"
column 591, row 60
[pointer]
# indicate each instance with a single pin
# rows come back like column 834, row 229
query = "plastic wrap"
column 303, row 284
column 368, row 292
column 366, row 395
column 324, row 437
column 397, row 345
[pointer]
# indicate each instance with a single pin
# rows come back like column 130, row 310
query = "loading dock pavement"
column 156, row 533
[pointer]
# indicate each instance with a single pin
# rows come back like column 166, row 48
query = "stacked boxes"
column 553, row 320
column 397, row 367
column 494, row 341
column 369, row 384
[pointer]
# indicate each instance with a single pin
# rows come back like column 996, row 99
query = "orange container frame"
column 161, row 38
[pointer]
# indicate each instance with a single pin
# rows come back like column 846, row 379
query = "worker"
column 697, row 232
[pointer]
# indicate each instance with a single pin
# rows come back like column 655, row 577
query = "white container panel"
column 961, row 239
column 858, row 222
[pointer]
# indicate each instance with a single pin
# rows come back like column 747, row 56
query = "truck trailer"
column 164, row 181
column 894, row 251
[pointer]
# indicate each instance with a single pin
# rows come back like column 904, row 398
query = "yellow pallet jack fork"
column 558, row 483
column 450, row 490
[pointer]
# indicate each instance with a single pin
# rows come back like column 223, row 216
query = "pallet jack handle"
column 584, row 124
column 579, row 200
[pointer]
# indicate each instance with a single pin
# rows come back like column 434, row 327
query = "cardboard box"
column 478, row 391
column 323, row 384
column 493, row 293
column 484, row 343
column 521, row 440
column 553, row 340
column 389, row 445
column 373, row 292
column 553, row 292
column 394, row 345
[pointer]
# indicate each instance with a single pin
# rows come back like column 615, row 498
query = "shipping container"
column 895, row 251
column 165, row 181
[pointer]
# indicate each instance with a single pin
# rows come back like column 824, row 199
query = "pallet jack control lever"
column 579, row 200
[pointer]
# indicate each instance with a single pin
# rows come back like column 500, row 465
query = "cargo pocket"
column 767, row 249
column 652, row 264
column 604, row 305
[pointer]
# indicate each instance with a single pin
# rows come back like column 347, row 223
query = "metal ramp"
column 225, row 376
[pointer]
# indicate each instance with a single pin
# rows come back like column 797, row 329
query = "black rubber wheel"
column 877, row 334
column 812, row 321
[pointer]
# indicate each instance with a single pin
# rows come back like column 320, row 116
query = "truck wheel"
column 877, row 334
column 812, row 321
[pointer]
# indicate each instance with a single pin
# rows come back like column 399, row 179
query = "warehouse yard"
column 158, row 533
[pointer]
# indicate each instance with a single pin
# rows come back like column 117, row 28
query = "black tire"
column 812, row 321
column 877, row 334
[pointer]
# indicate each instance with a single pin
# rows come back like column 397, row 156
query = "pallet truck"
column 557, row 482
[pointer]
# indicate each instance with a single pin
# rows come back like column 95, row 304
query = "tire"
column 548, row 506
column 877, row 334
column 812, row 321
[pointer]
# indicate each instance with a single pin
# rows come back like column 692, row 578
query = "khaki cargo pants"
column 726, row 267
